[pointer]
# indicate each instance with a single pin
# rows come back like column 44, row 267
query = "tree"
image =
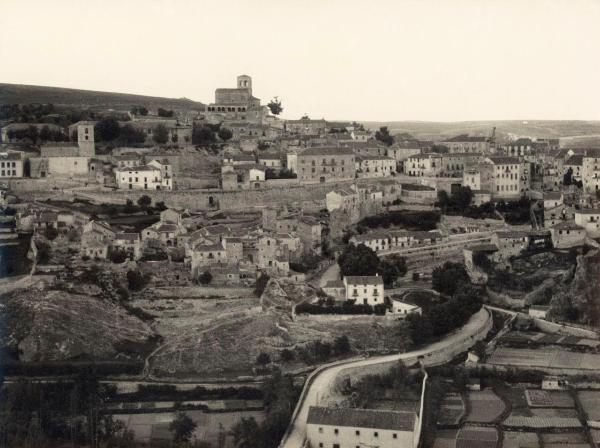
column 383, row 135
column 420, row 328
column 130, row 135
column 136, row 280
column 275, row 106
column 118, row 256
column 205, row 278
column 225, row 134
column 447, row 278
column 160, row 134
column 107, row 129
column 341, row 345
column 165, row 113
column 263, row 359
column 568, row 177
column 247, row 433
column 203, row 135
column 287, row 355
column 182, row 428
column 261, row 284
column 129, row 207
column 391, row 268
column 358, row 260
column 160, row 205
column 144, row 201
column 50, row 233
column 45, row 134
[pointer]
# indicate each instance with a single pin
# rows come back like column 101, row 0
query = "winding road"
column 318, row 388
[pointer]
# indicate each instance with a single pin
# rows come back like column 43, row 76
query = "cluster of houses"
column 231, row 254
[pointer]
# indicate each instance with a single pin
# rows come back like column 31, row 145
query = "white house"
column 403, row 309
column 364, row 289
column 589, row 219
column 351, row 427
column 153, row 176
column 539, row 311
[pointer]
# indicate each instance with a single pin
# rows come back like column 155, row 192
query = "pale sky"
column 381, row 60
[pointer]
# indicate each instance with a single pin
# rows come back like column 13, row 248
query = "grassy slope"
column 24, row 94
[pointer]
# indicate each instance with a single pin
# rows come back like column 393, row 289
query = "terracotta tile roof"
column 361, row 418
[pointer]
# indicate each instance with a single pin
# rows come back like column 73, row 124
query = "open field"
column 477, row 437
column 452, row 409
column 154, row 426
column 554, row 358
column 445, row 438
column 518, row 439
column 516, row 421
column 485, row 406
column 549, row 399
column 590, row 401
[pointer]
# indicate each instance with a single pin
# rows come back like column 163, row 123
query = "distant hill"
column 427, row 130
column 26, row 94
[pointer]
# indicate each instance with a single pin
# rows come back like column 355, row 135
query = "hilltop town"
column 295, row 282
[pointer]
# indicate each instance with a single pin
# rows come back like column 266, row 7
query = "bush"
column 136, row 280
column 50, row 233
column 414, row 220
column 144, row 201
column 447, row 278
column 341, row 345
column 205, row 278
column 118, row 256
column 287, row 355
column 263, row 359
column 261, row 284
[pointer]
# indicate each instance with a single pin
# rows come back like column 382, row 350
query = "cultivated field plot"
column 590, row 401
column 549, row 399
column 595, row 433
column 485, row 405
column 515, row 395
column 445, row 438
column 568, row 439
column 477, row 437
column 514, row 439
column 545, row 358
column 452, row 408
column 555, row 412
column 519, row 421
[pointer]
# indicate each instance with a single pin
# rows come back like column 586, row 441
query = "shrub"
column 51, row 233
column 205, row 278
column 136, row 280
column 263, row 359
column 118, row 256
column 287, row 355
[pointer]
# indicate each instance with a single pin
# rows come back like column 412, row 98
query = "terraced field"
column 452, row 409
column 477, row 437
column 485, row 406
column 556, row 358
column 518, row 439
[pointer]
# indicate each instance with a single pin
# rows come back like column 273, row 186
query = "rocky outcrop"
column 56, row 325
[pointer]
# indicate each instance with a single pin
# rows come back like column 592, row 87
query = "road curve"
column 319, row 384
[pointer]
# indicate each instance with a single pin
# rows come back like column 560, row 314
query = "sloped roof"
column 361, row 418
column 364, row 279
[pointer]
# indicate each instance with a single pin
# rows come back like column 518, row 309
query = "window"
column 394, row 435
column 336, row 431
column 357, row 432
column 375, row 434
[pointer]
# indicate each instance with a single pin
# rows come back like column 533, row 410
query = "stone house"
column 567, row 234
column 589, row 219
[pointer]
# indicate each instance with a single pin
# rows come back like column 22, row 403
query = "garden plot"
column 477, row 437
column 567, row 439
column 515, row 395
column 549, row 399
column 556, row 358
column 452, row 409
column 514, row 439
column 595, row 433
column 518, row 421
column 590, row 401
column 485, row 406
column 555, row 412
column 445, row 438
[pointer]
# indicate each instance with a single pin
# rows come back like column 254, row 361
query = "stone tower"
column 244, row 82
column 85, row 139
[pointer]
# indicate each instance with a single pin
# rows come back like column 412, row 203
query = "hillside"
column 427, row 130
column 26, row 94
